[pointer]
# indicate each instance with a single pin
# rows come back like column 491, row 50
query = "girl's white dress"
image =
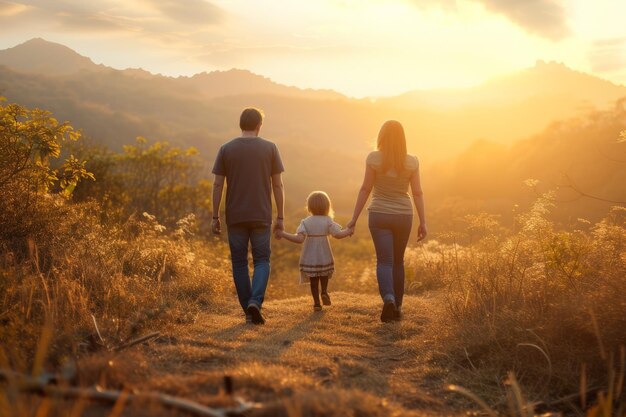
column 316, row 259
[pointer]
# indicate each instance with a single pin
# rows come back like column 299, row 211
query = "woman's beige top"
column 391, row 189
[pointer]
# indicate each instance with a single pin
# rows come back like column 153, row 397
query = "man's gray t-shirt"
column 248, row 164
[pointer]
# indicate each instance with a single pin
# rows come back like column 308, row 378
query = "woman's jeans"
column 390, row 233
column 256, row 235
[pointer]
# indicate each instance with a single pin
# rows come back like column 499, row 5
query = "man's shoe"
column 388, row 312
column 317, row 307
column 248, row 319
column 255, row 312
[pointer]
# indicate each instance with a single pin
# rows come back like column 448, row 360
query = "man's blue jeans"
column 390, row 233
column 240, row 236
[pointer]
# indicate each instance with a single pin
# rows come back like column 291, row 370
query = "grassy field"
column 538, row 310
column 522, row 318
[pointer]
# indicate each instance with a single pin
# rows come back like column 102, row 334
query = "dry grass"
column 539, row 302
column 342, row 361
column 535, row 306
column 127, row 278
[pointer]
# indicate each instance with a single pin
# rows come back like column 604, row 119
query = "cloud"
column 150, row 17
column 197, row 12
column 9, row 8
column 608, row 55
column 546, row 18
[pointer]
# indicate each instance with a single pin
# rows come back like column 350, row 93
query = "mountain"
column 545, row 79
column 237, row 81
column 39, row 56
column 42, row 57
column 510, row 107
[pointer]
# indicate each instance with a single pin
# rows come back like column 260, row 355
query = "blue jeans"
column 256, row 235
column 390, row 233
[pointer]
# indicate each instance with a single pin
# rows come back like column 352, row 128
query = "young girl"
column 316, row 259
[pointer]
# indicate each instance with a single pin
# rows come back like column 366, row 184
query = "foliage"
column 164, row 180
column 540, row 302
column 129, row 277
column 29, row 140
column 155, row 177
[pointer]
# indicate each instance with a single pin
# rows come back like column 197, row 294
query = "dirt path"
column 342, row 357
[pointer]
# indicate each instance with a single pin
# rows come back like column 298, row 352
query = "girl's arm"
column 418, row 200
column 343, row 233
column 295, row 238
column 364, row 193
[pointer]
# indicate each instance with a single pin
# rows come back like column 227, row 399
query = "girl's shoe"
column 389, row 310
column 326, row 299
column 317, row 307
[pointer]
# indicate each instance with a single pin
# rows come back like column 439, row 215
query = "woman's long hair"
column 392, row 144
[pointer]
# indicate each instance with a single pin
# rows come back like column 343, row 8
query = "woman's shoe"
column 397, row 315
column 389, row 310
column 326, row 299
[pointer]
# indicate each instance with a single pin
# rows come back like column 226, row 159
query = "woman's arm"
column 418, row 200
column 295, row 238
column 364, row 193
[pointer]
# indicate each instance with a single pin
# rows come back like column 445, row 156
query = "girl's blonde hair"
column 318, row 204
column 392, row 144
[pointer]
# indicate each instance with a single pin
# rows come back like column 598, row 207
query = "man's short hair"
column 250, row 118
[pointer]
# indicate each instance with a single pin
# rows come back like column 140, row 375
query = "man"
column 252, row 169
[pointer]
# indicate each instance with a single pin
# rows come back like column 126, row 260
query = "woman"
column 388, row 172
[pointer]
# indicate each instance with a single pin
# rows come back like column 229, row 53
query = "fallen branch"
column 136, row 341
column 41, row 386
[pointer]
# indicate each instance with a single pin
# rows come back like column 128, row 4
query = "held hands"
column 352, row 226
column 279, row 228
column 421, row 232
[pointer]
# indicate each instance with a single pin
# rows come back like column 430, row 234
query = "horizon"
column 326, row 45
column 537, row 63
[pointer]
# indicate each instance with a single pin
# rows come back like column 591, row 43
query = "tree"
column 164, row 180
column 29, row 139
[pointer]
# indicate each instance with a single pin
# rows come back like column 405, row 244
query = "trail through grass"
column 328, row 362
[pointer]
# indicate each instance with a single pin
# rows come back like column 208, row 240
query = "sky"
column 357, row 47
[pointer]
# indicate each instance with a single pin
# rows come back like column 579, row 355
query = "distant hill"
column 236, row 81
column 39, row 56
column 511, row 107
column 545, row 79
column 579, row 159
column 42, row 57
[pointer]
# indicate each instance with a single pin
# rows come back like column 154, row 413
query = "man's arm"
column 218, row 188
column 279, row 196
